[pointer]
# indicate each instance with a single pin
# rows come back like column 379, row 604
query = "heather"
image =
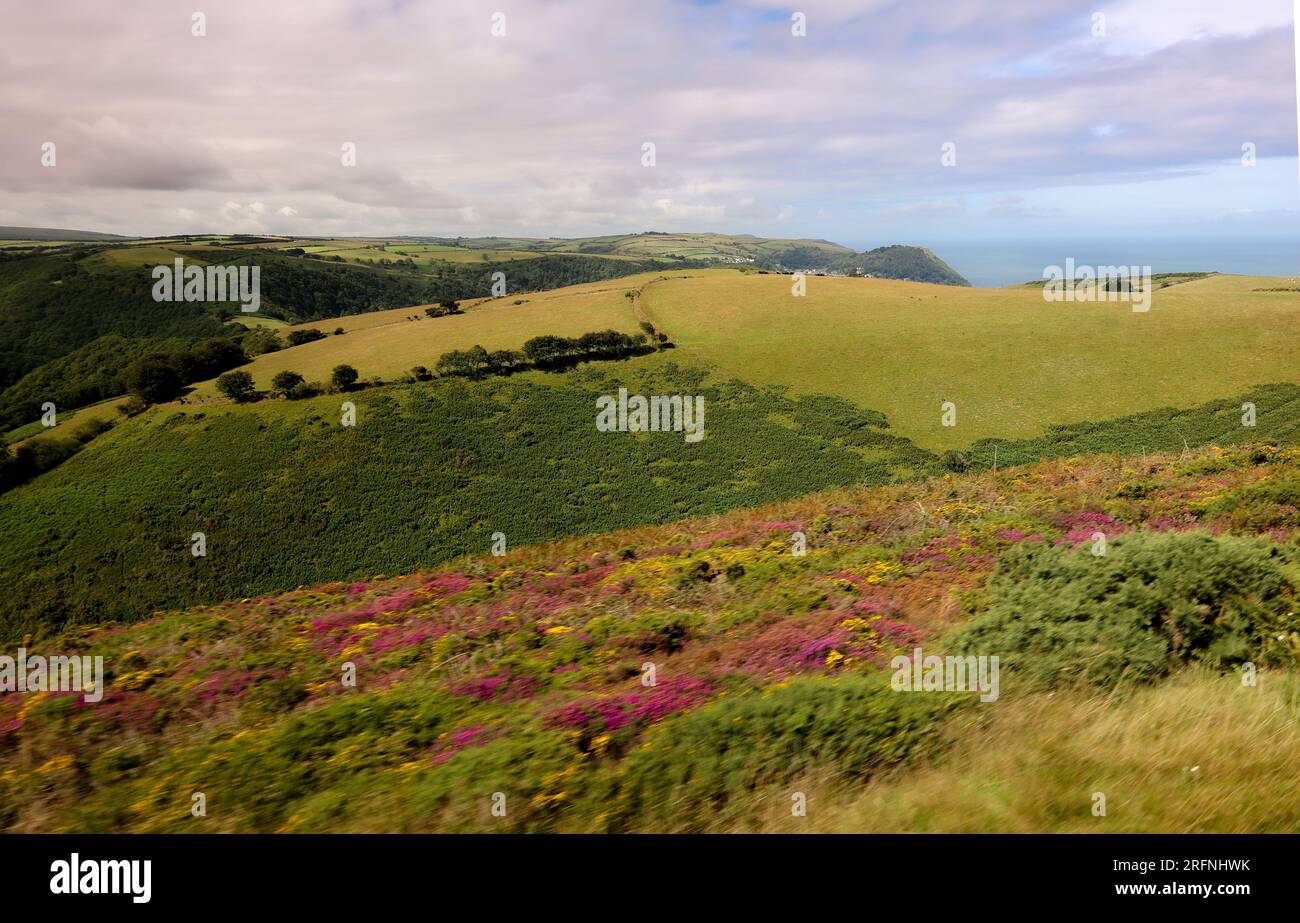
column 689, row 676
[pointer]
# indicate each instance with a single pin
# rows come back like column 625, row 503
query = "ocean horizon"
column 994, row 263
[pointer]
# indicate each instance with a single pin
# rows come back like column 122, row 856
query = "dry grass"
column 1198, row 754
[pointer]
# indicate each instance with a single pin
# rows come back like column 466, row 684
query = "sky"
column 1062, row 125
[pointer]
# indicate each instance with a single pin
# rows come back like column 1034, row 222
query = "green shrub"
column 238, row 386
column 1271, row 504
column 1153, row 602
column 692, row 769
column 343, row 377
column 284, row 382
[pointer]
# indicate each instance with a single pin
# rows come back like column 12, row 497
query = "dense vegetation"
column 71, row 324
column 1151, row 603
column 299, row 290
column 52, row 304
column 1170, row 429
column 87, row 375
column 913, row 264
column 700, row 676
column 286, row 495
column 548, row 353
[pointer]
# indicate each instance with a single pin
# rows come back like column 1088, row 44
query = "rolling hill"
column 916, row 264
column 56, row 234
column 1011, row 363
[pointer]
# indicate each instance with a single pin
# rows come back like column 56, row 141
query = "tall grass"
column 1193, row 755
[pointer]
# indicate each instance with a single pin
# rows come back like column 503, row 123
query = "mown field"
column 1010, row 362
column 700, row 676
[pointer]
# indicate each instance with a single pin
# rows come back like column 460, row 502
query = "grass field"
column 1011, row 362
column 390, row 343
column 1168, row 759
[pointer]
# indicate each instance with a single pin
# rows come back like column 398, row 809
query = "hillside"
column 389, row 343
column 1011, row 363
column 72, row 320
column 55, row 234
column 287, row 495
column 894, row 262
column 910, row 264
column 696, row 676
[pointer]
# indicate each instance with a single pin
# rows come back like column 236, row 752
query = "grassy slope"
column 286, row 495
column 1170, row 759
column 1011, row 362
column 521, row 675
column 389, row 343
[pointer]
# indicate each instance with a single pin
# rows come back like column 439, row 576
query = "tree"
column 343, row 377
column 420, row 373
column 237, row 385
column 546, row 350
column 209, row 359
column 298, row 337
column 477, row 358
column 262, row 340
column 153, row 379
column 503, row 360
column 284, row 382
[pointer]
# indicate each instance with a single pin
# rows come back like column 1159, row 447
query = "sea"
column 993, row 263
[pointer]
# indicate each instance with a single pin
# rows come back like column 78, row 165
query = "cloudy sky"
column 839, row 133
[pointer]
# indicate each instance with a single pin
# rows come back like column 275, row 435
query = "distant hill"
column 916, row 264
column 911, row 264
column 12, row 233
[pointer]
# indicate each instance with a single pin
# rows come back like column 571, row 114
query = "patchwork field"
column 1011, row 362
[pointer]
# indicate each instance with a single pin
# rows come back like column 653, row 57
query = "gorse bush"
column 1059, row 615
column 1266, row 505
column 689, row 768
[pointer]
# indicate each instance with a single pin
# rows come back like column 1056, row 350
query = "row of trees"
column 161, row 377
column 238, row 385
column 544, row 352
